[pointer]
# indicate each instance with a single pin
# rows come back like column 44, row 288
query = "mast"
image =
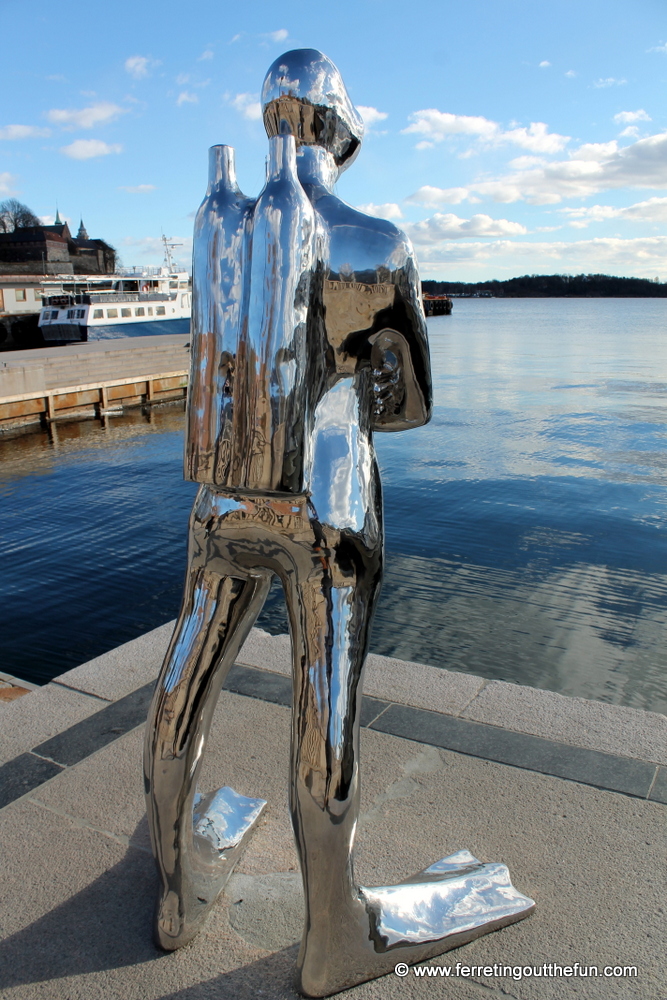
column 168, row 247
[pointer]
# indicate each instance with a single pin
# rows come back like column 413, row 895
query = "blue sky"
column 505, row 137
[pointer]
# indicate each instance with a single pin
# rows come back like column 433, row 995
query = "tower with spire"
column 82, row 234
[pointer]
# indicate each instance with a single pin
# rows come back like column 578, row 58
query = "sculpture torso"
column 295, row 296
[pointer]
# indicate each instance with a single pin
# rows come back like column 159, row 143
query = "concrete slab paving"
column 40, row 715
column 579, row 722
column 77, row 903
column 79, row 881
column 385, row 677
column 123, row 669
column 583, row 723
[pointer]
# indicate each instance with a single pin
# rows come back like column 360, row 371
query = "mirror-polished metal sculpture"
column 308, row 334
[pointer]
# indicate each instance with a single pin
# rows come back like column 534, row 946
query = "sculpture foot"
column 444, row 906
column 222, row 824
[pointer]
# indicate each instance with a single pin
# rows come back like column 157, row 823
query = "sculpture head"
column 304, row 95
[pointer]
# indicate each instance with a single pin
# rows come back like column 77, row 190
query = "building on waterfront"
column 53, row 250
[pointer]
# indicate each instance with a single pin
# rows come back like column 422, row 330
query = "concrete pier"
column 88, row 380
column 571, row 794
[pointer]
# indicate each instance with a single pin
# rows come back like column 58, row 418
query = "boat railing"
column 140, row 271
column 122, row 297
column 58, row 301
column 110, row 297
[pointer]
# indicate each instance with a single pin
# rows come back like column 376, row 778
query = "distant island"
column 540, row 286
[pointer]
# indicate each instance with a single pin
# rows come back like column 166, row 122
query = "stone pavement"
column 571, row 794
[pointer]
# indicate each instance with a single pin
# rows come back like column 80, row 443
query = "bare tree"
column 15, row 215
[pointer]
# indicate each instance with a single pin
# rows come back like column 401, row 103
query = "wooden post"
column 104, row 399
column 149, row 390
column 50, row 408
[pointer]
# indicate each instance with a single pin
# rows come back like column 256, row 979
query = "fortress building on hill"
column 53, row 250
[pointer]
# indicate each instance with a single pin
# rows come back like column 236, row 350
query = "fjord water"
column 525, row 526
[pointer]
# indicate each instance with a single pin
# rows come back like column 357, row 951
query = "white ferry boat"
column 134, row 302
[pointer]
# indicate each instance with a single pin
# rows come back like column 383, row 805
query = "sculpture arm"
column 400, row 362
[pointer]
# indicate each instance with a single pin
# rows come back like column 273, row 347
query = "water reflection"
column 89, row 561
column 525, row 526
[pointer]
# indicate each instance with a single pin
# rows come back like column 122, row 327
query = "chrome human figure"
column 308, row 335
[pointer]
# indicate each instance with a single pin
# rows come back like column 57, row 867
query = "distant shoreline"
column 549, row 286
column 537, row 295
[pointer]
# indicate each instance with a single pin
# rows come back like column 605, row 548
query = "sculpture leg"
column 196, row 841
column 352, row 933
column 330, row 617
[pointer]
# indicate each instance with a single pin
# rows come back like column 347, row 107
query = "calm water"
column 525, row 525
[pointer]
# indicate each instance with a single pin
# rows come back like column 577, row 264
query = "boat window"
column 2, row 300
column 126, row 312
column 150, row 310
column 182, row 284
column 159, row 311
column 98, row 314
column 112, row 313
column 173, row 284
column 140, row 311
column 20, row 294
column 81, row 313
column 54, row 314
column 38, row 295
column 70, row 313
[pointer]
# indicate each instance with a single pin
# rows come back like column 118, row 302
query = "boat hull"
column 71, row 333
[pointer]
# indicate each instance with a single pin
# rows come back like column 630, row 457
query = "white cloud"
column 536, row 138
column 247, row 104
column 182, row 79
column 658, row 48
column 6, row 182
column 88, row 149
column 206, row 54
column 95, row 114
column 138, row 188
column 439, row 125
column 450, row 227
column 544, row 64
column 185, row 97
column 22, row 132
column 609, row 81
column 389, row 210
column 436, row 126
column 644, row 257
column 627, row 117
column 278, row 36
column 524, row 162
column 371, row 116
column 595, row 150
column 140, row 66
column 432, row 197
column 593, row 168
column 652, row 210
column 571, row 73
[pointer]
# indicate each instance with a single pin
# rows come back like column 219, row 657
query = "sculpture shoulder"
column 359, row 241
